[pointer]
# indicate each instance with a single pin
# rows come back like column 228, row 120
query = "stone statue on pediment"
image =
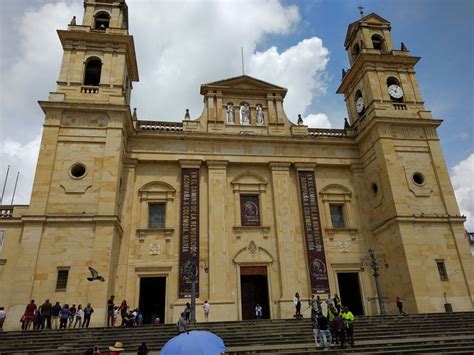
column 244, row 114
column 260, row 119
column 229, row 114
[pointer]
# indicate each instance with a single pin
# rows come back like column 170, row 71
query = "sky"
column 296, row 44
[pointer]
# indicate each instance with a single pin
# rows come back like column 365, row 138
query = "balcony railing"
column 159, row 126
column 400, row 107
column 86, row 89
column 330, row 132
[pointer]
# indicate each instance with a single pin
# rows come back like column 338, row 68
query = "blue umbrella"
column 197, row 342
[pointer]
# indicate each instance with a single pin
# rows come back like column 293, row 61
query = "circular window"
column 418, row 178
column 374, row 188
column 78, row 171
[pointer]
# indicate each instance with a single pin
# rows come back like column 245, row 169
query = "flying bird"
column 95, row 275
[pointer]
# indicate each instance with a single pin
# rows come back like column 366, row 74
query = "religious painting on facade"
column 249, row 210
column 189, row 232
column 313, row 235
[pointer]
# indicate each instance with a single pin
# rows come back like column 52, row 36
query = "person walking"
column 64, row 316
column 87, row 315
column 324, row 333
column 319, row 305
column 3, row 316
column 297, row 302
column 314, row 321
column 205, row 308
column 110, row 311
column 314, row 307
column 182, row 325
column 348, row 319
column 79, row 315
column 55, row 315
column 72, row 314
column 37, row 319
column 46, row 309
column 258, row 311
column 399, row 305
column 123, row 312
column 30, row 312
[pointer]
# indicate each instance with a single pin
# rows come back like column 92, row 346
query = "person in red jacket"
column 29, row 315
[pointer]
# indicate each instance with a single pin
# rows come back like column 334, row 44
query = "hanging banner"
column 189, row 232
column 312, row 230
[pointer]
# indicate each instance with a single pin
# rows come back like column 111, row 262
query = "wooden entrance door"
column 254, row 289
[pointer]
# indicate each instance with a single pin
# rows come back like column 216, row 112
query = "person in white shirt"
column 205, row 308
column 297, row 302
column 79, row 315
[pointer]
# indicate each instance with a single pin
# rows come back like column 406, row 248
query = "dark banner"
column 249, row 211
column 189, row 232
column 312, row 230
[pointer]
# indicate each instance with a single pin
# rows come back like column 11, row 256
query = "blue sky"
column 440, row 32
column 295, row 44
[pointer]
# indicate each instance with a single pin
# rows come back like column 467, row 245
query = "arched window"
column 378, row 42
column 102, row 20
column 92, row 75
column 355, row 51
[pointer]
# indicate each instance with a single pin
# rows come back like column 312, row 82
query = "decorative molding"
column 239, row 229
column 142, row 233
column 192, row 164
column 351, row 231
column 305, row 166
column 154, row 249
column 149, row 269
column 3, row 262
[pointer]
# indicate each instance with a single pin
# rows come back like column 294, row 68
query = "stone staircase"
column 420, row 333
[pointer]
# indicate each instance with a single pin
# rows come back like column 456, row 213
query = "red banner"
column 312, row 230
column 189, row 232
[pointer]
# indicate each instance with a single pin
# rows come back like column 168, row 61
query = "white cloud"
column 319, row 120
column 463, row 183
column 22, row 158
column 179, row 44
column 299, row 68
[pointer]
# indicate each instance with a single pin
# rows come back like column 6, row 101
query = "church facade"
column 249, row 206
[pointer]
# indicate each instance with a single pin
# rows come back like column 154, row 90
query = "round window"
column 418, row 178
column 78, row 170
column 374, row 188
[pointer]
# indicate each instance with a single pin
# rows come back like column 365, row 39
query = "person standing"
column 337, row 303
column 110, row 311
column 338, row 326
column 55, row 314
column 29, row 315
column 3, row 316
column 314, row 307
column 72, row 314
column 187, row 311
column 46, row 309
column 87, row 315
column 314, row 321
column 258, row 311
column 319, row 305
column 116, row 349
column 297, row 302
column 182, row 327
column 79, row 315
column 399, row 305
column 348, row 319
column 123, row 312
column 142, row 349
column 205, row 308
column 64, row 316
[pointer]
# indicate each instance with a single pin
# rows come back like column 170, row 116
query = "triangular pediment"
column 242, row 83
column 371, row 19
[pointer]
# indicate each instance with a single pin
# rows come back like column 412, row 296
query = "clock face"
column 360, row 104
column 395, row 91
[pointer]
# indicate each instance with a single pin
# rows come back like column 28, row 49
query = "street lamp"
column 373, row 261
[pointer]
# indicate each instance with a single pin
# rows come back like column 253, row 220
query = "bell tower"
column 99, row 63
column 411, row 213
column 381, row 79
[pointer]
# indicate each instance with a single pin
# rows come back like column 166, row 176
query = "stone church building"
column 250, row 205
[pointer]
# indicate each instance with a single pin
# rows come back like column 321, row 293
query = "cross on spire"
column 361, row 10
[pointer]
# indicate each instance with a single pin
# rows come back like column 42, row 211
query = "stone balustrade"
column 6, row 212
column 85, row 89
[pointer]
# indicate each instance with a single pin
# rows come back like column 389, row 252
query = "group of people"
column 334, row 327
column 131, row 317
column 49, row 316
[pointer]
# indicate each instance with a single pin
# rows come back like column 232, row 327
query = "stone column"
column 219, row 258
column 284, row 233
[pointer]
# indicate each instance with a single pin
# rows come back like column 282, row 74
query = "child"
column 116, row 314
